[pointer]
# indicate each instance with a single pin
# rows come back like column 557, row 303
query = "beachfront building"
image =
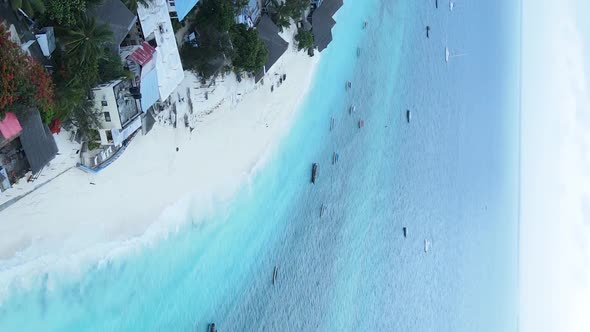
column 118, row 104
column 322, row 21
column 158, row 68
column 249, row 14
column 26, row 145
column 180, row 8
column 274, row 43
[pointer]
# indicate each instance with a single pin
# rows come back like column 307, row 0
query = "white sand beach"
column 83, row 214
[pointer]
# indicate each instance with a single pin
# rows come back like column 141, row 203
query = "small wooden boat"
column 335, row 158
column 408, row 116
column 361, row 123
column 275, row 272
column 365, row 24
column 331, row 123
column 314, row 172
column 212, row 327
column 358, row 51
column 351, row 109
column 405, row 232
column 348, row 85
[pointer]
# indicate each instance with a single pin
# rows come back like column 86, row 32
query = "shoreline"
column 235, row 131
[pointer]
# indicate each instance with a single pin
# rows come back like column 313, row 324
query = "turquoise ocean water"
column 450, row 176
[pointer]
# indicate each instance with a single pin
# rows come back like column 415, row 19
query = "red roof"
column 143, row 54
column 10, row 127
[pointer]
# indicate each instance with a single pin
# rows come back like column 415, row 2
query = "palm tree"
column 280, row 14
column 86, row 40
column 133, row 4
column 31, row 7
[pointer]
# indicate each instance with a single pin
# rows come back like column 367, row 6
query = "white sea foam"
column 152, row 190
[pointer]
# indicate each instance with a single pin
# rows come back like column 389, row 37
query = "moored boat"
column 275, row 272
column 212, row 327
column 335, row 158
column 361, row 123
column 314, row 172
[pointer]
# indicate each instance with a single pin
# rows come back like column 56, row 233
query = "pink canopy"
column 10, row 127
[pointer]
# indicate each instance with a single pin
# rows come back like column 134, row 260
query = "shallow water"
column 449, row 176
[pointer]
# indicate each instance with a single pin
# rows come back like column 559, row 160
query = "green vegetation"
column 218, row 14
column 31, row 7
column 221, row 39
column 67, row 12
column 304, row 39
column 85, row 62
column 250, row 53
column 133, row 4
column 282, row 13
column 86, row 40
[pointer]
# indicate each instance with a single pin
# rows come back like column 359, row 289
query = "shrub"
column 304, row 39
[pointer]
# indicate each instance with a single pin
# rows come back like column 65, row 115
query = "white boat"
column 352, row 109
column 323, row 210
column 448, row 55
column 451, row 5
column 426, row 245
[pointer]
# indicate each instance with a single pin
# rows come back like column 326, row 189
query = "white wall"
column 106, row 93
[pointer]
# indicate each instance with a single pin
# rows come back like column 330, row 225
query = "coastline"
column 235, row 131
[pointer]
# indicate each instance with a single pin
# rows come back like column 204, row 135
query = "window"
column 109, row 136
column 107, row 116
column 104, row 103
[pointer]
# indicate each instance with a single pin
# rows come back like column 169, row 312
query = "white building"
column 158, row 32
column 119, row 111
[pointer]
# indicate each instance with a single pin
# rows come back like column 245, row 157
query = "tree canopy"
column 67, row 12
column 250, row 54
column 31, row 7
column 24, row 82
column 283, row 12
column 218, row 13
column 304, row 39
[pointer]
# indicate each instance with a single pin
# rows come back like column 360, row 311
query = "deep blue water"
column 450, row 176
